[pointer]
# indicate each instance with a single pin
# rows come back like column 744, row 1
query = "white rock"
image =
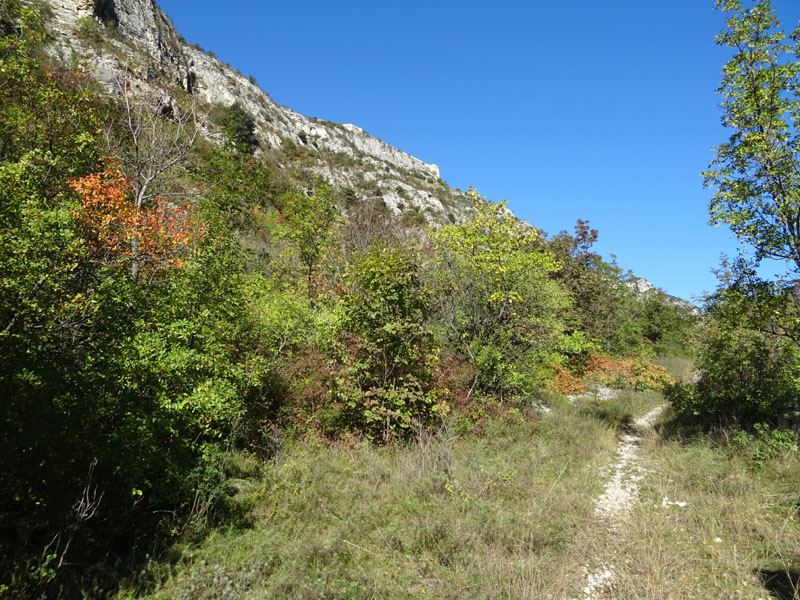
column 153, row 50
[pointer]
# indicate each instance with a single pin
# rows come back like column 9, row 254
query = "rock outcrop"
column 135, row 40
column 643, row 288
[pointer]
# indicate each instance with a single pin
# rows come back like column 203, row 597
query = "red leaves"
column 565, row 383
column 626, row 373
column 118, row 230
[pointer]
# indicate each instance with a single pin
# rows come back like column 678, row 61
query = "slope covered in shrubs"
column 166, row 302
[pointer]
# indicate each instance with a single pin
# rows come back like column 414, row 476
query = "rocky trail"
column 613, row 506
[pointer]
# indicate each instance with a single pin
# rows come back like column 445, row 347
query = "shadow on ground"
column 782, row 584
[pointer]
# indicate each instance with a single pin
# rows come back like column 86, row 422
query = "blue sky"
column 603, row 111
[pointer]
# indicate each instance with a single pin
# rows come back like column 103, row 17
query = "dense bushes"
column 747, row 377
column 749, row 361
column 633, row 373
column 627, row 373
column 117, row 382
column 498, row 302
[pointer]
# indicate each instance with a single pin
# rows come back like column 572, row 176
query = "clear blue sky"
column 603, row 111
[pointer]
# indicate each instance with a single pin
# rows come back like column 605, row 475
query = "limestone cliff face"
column 141, row 42
column 643, row 288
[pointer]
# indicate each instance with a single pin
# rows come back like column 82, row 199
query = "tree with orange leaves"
column 153, row 238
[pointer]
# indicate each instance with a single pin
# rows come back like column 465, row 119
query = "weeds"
column 509, row 514
column 456, row 517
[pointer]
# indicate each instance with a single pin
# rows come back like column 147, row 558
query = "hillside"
column 134, row 40
column 188, row 322
column 643, row 288
column 234, row 365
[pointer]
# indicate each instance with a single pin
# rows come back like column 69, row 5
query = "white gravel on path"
column 617, row 500
column 599, row 392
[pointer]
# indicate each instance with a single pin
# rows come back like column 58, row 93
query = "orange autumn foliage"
column 626, row 373
column 118, row 230
column 634, row 373
column 564, row 382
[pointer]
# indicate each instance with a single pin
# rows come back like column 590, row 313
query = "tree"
column 310, row 220
column 391, row 352
column 113, row 394
column 756, row 173
column 604, row 307
column 749, row 360
column 117, row 228
column 152, row 141
column 239, row 125
column 497, row 299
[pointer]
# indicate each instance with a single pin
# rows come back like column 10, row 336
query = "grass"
column 445, row 517
column 737, row 536
column 620, row 411
column 677, row 367
column 508, row 514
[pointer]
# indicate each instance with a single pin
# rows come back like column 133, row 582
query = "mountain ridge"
column 135, row 40
column 644, row 287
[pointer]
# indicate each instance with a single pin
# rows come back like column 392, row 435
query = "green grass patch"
column 710, row 525
column 444, row 517
column 620, row 411
column 505, row 514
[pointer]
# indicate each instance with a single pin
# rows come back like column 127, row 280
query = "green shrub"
column 764, row 443
column 239, row 125
column 497, row 301
column 390, row 353
column 747, row 377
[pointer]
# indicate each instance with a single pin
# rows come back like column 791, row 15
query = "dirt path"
column 616, row 502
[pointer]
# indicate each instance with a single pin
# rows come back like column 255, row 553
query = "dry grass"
column 677, row 367
column 738, row 528
column 487, row 517
column 506, row 515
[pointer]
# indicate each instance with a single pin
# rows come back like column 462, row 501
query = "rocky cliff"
column 134, row 39
column 643, row 288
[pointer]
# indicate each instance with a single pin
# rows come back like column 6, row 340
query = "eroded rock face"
column 84, row 7
column 643, row 288
column 141, row 44
column 640, row 286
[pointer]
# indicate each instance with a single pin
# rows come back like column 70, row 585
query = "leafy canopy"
column 755, row 173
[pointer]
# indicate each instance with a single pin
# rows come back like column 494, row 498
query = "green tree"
column 750, row 353
column 391, row 348
column 604, row 307
column 755, row 174
column 114, row 394
column 497, row 300
column 240, row 126
column 310, row 220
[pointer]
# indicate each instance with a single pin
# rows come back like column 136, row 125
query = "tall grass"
column 508, row 514
column 736, row 536
column 446, row 517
